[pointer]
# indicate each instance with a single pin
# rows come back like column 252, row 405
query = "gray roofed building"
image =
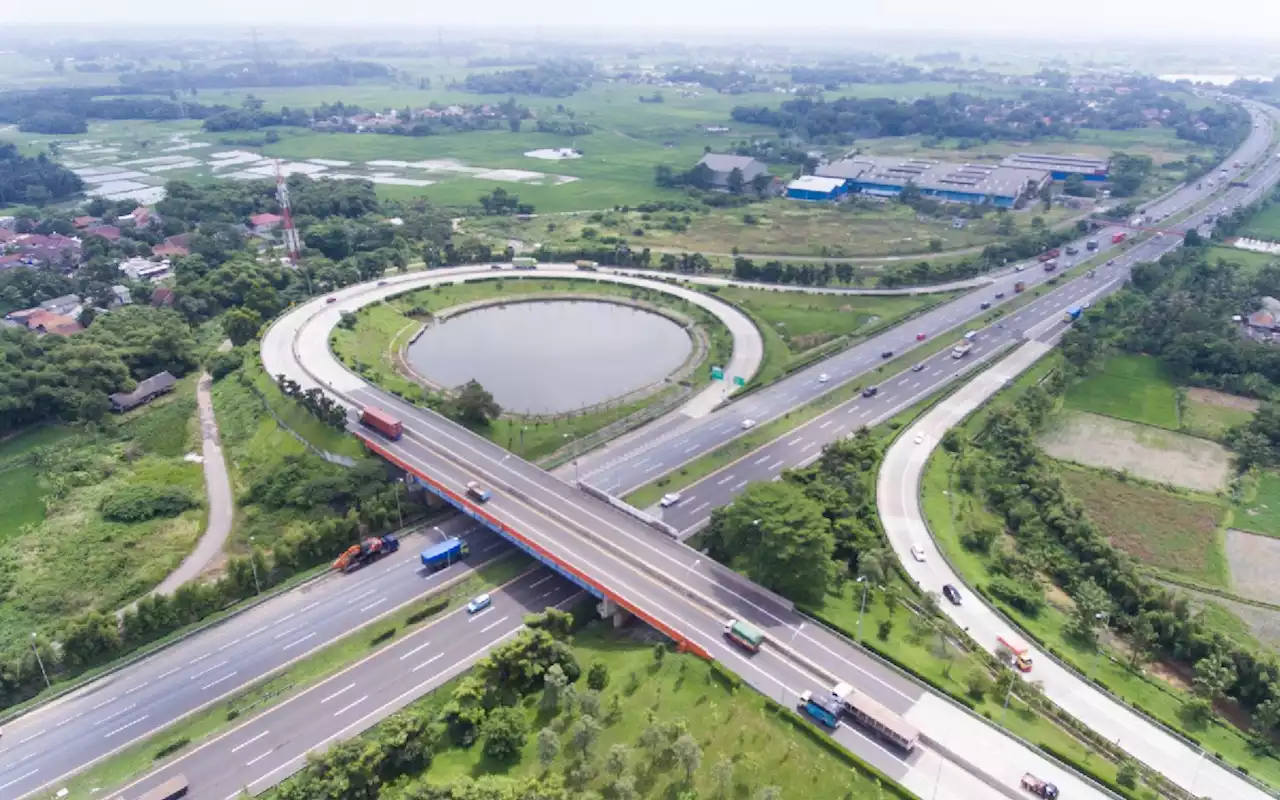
column 723, row 164
column 147, row 391
column 961, row 183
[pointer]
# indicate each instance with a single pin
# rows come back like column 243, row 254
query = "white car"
column 919, row 438
column 748, row 424
column 669, row 500
column 479, row 604
column 823, row 378
column 917, row 552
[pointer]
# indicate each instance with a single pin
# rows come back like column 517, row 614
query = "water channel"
column 553, row 356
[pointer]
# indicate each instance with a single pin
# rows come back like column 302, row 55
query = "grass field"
column 52, row 480
column 1249, row 261
column 732, row 726
column 1264, row 225
column 1259, row 508
column 774, row 227
column 1211, row 414
column 1178, row 533
column 1136, row 388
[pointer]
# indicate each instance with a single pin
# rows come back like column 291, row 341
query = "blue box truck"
column 821, row 707
column 442, row 555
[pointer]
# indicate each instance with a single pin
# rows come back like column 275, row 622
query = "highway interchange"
column 570, row 528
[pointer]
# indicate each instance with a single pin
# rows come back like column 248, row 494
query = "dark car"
column 952, row 594
column 917, row 367
column 999, row 295
column 887, row 354
column 986, row 305
column 870, row 391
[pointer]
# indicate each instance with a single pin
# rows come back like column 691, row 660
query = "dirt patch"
column 1148, row 452
column 1254, row 561
column 1222, row 400
column 1170, row 674
column 1059, row 598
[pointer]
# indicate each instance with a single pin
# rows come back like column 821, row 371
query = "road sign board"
column 739, row 381
column 717, row 373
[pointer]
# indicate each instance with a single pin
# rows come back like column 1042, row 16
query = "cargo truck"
column 524, row 263
column 1039, row 787
column 824, row 709
column 445, row 553
column 1019, row 287
column 1117, row 238
column 586, row 266
column 1050, row 265
column 744, row 635
column 368, row 551
column 961, row 349
column 1013, row 655
column 382, row 422
column 872, row 715
column 1048, row 254
column 171, row 789
column 1072, row 314
column 1092, row 244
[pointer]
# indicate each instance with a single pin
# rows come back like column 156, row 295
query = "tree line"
column 552, row 78
column 35, row 181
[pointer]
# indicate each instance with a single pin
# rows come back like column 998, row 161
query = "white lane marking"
column 103, row 703
column 761, row 459
column 360, row 596
column 775, row 465
column 840, row 429
column 305, row 609
column 136, row 688
column 198, row 659
column 699, row 508
column 808, row 446
column 256, row 631
column 738, row 486
column 348, row 687
column 544, row 594
column 493, row 546
column 493, row 625
column 285, row 632
column 19, row 779
column 240, row 747
column 37, row 733
column 210, row 669
column 291, row 615
column 411, row 652
column 69, row 719
column 228, row 676
column 428, row 661
column 351, row 705
column 915, row 385
column 230, row 644
column 540, row 581
column 825, row 424
column 164, row 675
column 124, row 727
column 793, row 441
column 479, row 614
column 299, row 641
column 725, row 479
column 690, row 450
column 250, row 764
column 374, row 604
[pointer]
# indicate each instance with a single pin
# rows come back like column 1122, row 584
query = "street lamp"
column 254, row 566
column 573, row 452
column 692, row 567
column 1105, row 616
column 399, row 515
column 862, row 579
column 40, row 661
column 797, row 633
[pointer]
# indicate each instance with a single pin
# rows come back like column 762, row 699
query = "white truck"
column 961, row 349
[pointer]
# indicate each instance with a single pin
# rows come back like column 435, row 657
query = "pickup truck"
column 1038, row 787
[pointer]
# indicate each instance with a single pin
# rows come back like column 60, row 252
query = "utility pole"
column 40, row 661
column 862, row 579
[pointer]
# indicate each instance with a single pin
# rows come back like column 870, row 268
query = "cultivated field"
column 1160, row 529
column 1136, row 388
column 1211, row 414
column 1156, row 455
column 1254, row 562
column 1264, row 225
column 1260, row 510
column 775, row 227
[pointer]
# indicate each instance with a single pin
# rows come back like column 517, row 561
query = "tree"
column 1127, row 774
column 1141, row 641
column 548, row 748
column 1192, row 238
column 618, row 761
column 1214, row 675
column 241, row 325
column 598, row 676
column 722, row 777
column 979, row 683
column 778, row 537
column 474, row 405
column 583, row 735
column 1091, row 604
column 735, row 181
column 504, row 733
column 688, row 755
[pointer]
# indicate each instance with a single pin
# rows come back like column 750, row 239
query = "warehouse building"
column 813, row 187
column 1062, row 167
column 1002, row 186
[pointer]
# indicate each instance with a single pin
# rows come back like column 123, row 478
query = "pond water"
column 552, row 357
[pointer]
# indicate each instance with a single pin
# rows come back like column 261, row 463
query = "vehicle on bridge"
column 1039, row 788
column 382, row 422
column 876, row 717
column 441, row 555
column 478, row 492
column 1013, row 655
column 671, row 498
column 169, row 790
column 824, row 709
column 744, row 635
column 369, row 550
column 524, row 263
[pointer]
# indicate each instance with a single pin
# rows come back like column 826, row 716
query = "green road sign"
column 738, row 381
column 717, row 373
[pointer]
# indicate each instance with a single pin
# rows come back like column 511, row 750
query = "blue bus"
column 442, row 555
column 824, row 709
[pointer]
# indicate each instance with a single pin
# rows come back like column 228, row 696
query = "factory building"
column 1002, row 186
column 813, row 187
column 1062, row 167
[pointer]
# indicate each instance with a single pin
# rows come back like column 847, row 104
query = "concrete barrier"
column 629, row 510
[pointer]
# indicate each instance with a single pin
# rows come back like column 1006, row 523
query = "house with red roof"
column 109, row 232
column 265, row 223
column 140, row 217
column 84, row 222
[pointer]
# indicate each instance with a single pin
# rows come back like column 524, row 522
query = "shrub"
column 146, row 501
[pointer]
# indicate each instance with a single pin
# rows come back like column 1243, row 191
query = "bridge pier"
column 607, row 608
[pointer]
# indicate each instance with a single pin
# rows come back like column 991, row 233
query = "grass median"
column 142, row 757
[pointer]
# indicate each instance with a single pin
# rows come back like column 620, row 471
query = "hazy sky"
column 1219, row 19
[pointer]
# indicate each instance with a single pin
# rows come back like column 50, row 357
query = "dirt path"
column 217, row 486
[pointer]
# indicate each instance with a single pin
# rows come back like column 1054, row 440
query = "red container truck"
column 382, row 422
column 1117, row 238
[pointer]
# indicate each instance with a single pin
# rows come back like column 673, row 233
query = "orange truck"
column 1014, row 655
column 371, row 549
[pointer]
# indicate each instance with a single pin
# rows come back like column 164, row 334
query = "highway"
column 662, row 580
column 641, row 459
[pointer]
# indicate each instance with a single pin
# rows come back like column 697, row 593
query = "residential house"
column 722, row 166
column 173, row 247
column 67, row 305
column 63, row 251
column 140, row 217
column 119, row 296
column 84, row 222
column 146, row 391
column 142, row 269
column 56, row 316
column 265, row 223
column 162, row 297
column 109, row 232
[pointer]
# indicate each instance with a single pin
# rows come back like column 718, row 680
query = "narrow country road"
column 217, row 486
